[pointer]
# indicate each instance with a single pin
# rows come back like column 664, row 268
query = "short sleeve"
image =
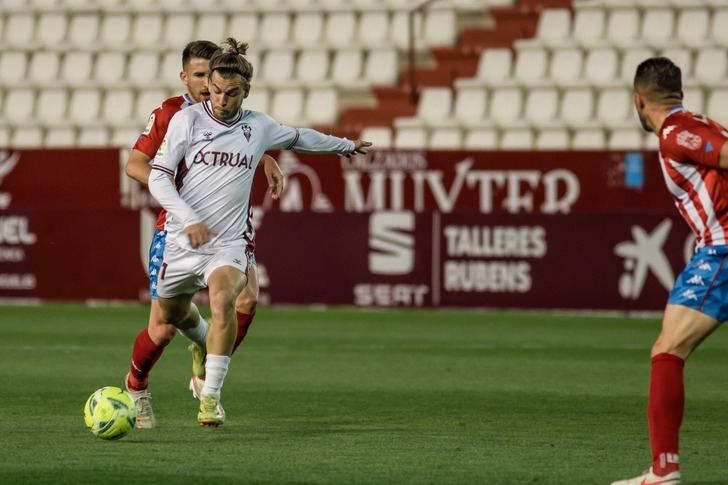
column 173, row 146
column 698, row 142
column 151, row 138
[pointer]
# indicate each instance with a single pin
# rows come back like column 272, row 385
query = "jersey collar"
column 208, row 109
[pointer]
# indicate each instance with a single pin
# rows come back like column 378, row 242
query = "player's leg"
column 224, row 283
column 246, row 304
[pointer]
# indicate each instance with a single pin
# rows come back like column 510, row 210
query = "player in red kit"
column 694, row 160
column 151, row 341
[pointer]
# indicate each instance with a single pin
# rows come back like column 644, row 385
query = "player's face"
column 195, row 77
column 639, row 105
column 226, row 95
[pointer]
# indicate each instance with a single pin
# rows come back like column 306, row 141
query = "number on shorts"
column 164, row 270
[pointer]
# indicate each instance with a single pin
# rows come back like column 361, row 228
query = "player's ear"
column 183, row 76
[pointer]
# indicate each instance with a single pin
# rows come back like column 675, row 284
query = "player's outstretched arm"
column 137, row 167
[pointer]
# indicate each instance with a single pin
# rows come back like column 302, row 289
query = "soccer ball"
column 110, row 413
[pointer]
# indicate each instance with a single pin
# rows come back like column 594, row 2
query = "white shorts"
column 184, row 272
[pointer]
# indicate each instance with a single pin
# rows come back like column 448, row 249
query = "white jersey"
column 203, row 171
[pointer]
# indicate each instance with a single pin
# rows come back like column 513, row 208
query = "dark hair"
column 202, row 49
column 230, row 61
column 660, row 79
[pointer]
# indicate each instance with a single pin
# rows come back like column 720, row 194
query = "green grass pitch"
column 344, row 396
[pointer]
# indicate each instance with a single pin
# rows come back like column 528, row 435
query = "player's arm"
column 161, row 181
column 723, row 161
column 698, row 143
column 308, row 140
column 137, row 166
column 275, row 176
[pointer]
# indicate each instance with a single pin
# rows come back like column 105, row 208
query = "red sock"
column 665, row 411
column 143, row 357
column 244, row 321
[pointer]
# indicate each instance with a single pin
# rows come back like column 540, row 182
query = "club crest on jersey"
column 207, row 135
column 691, row 141
column 247, row 130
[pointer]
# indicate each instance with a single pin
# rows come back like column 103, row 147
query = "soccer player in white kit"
column 203, row 175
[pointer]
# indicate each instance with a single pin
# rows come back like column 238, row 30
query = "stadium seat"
column 625, row 139
column 471, row 106
column 211, row 27
column 435, row 105
column 531, row 66
column 718, row 32
column 27, row 137
column 109, row 67
column 19, row 29
column 381, row 66
column 312, row 67
column 588, row 139
column 60, row 136
column 170, row 68
column 614, row 106
column 277, row 66
column 379, row 136
column 115, row 29
column 440, row 27
column 589, row 26
column 601, row 67
column 399, row 30
column 347, row 65
column 552, row 139
column 577, row 107
column 623, row 27
column 506, row 105
column 177, row 31
column 308, row 29
column 5, row 136
column 274, row 29
column 694, row 99
column 76, row 67
column 146, row 101
column 84, row 106
column 710, row 66
column 124, row 137
column 410, row 139
column 340, row 29
column 147, row 29
column 718, row 105
column 19, row 105
column 244, row 24
column 287, row 106
column 117, row 107
column 13, row 66
column 51, row 28
column 373, row 28
column 83, row 30
column 494, row 68
column 554, row 27
column 657, row 26
column 51, row 105
column 516, row 139
column 321, row 106
column 44, row 67
column 566, row 66
column 631, row 58
column 692, row 27
column 446, row 139
column 143, row 68
column 481, row 139
column 257, row 100
column 541, row 107
column 682, row 57
column 93, row 136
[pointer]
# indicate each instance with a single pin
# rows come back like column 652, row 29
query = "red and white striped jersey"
column 151, row 138
column 690, row 147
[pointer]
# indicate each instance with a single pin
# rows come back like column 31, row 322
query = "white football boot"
column 649, row 478
column 143, row 400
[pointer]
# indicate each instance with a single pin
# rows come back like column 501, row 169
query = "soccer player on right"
column 694, row 160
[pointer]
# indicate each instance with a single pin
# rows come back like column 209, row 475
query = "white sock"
column 198, row 333
column 216, row 369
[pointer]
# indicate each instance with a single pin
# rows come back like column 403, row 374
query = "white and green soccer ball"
column 110, row 413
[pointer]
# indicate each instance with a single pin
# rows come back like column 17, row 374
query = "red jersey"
column 690, row 147
column 151, row 138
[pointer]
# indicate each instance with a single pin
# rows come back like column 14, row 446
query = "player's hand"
column 198, row 234
column 360, row 147
column 276, row 178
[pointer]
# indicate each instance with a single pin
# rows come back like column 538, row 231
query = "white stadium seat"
column 446, row 139
column 60, row 137
column 257, row 100
column 631, row 58
column 274, row 29
column 19, row 29
column 577, row 107
column 278, row 66
column 379, row 136
column 308, row 28
column 718, row 105
column 84, row 106
column 541, row 106
column 76, row 67
column 566, row 66
column 27, row 137
column 177, row 30
column 531, row 65
column 554, row 26
column 51, row 105
column 146, row 101
column 399, row 30
column 694, row 100
column 117, row 106
column 115, row 29
column 246, row 23
column 211, row 27
column 681, row 57
column 588, row 139
column 93, row 136
column 440, row 28
column 552, row 139
column 381, row 66
column 471, row 106
column 84, row 30
column 13, row 66
column 601, row 66
column 347, row 66
column 312, row 67
column 625, row 139
column 623, row 26
column 321, row 106
column 517, row 139
column 287, row 106
column 170, row 68
column 51, row 28
column 147, row 29
column 44, row 67
column 19, row 104
column 374, row 28
column 481, row 139
column 434, row 105
column 340, row 29
column 589, row 26
column 109, row 67
column 692, row 26
column 5, row 136
column 143, row 68
column 657, row 26
column 410, row 139
column 718, row 32
column 506, row 105
column 614, row 106
column 710, row 66
column 124, row 137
